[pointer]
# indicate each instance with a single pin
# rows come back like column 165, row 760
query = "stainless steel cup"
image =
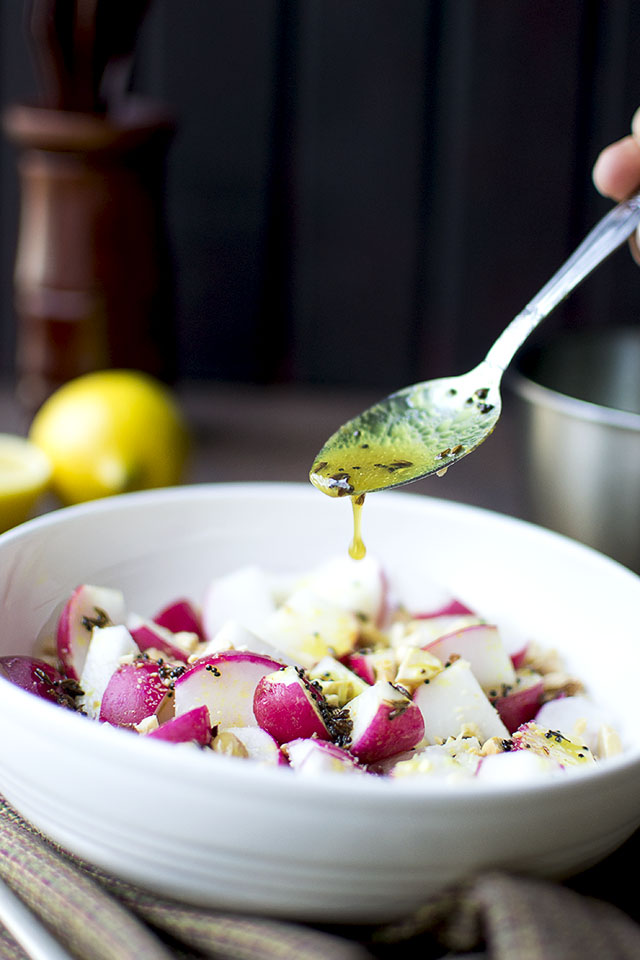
column 577, row 410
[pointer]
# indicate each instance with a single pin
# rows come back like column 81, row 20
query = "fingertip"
column 616, row 172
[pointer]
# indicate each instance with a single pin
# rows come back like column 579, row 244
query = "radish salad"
column 332, row 671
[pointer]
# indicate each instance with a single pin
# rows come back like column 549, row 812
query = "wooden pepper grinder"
column 92, row 277
column 93, row 284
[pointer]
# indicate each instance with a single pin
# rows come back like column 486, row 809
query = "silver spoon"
column 423, row 429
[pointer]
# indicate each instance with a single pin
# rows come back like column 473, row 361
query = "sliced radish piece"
column 255, row 743
column 454, row 700
column 339, row 684
column 233, row 636
column 521, row 702
column 225, row 683
column 355, row 585
column 422, row 632
column 481, row 646
column 244, row 596
column 451, row 608
column 423, row 596
column 456, row 759
column 372, row 665
column 360, row 664
column 181, row 616
column 108, row 647
column 37, row 677
column 516, row 766
column 578, row 717
column 416, row 666
column 149, row 635
column 552, row 743
column 519, row 656
column 288, row 706
column 135, row 691
column 384, row 721
column 308, row 627
column 87, row 607
column 317, row 757
column 191, row 727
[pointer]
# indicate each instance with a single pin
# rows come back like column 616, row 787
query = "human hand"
column 616, row 172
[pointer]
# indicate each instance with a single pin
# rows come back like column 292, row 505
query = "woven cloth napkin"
column 94, row 916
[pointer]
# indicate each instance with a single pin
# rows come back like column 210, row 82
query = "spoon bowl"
column 424, row 428
column 415, row 432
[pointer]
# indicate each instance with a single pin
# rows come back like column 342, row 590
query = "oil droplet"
column 357, row 549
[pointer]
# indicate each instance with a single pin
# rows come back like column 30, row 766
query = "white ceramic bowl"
column 221, row 832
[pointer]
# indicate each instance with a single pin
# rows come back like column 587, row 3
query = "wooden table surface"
column 246, row 433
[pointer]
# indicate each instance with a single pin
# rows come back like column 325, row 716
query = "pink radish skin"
column 361, row 665
column 135, row 691
column 180, row 617
column 521, row 705
column 384, row 722
column 33, row 675
column 194, row 726
column 86, row 605
column 149, row 635
column 311, row 756
column 452, row 608
column 519, row 657
column 225, row 683
column 286, row 705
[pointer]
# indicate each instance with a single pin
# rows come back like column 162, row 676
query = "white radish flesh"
column 319, row 757
column 453, row 700
column 225, row 683
column 577, row 717
column 516, row 766
column 307, row 627
column 482, row 647
column 355, row 585
column 258, row 744
column 108, row 647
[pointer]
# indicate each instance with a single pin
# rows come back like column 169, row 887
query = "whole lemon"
column 25, row 472
column 110, row 432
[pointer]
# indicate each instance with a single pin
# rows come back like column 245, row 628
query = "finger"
column 616, row 172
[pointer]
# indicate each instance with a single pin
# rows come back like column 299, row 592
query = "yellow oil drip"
column 357, row 549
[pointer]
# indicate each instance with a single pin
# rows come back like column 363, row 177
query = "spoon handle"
column 610, row 233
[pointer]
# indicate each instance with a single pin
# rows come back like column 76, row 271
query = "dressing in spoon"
column 424, row 428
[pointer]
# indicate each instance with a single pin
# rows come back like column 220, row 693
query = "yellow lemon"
column 25, row 472
column 110, row 432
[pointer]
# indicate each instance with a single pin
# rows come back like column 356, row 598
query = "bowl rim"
column 192, row 763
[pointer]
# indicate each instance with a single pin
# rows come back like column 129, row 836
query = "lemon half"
column 111, row 432
column 25, row 472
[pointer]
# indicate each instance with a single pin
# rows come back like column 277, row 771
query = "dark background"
column 365, row 191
